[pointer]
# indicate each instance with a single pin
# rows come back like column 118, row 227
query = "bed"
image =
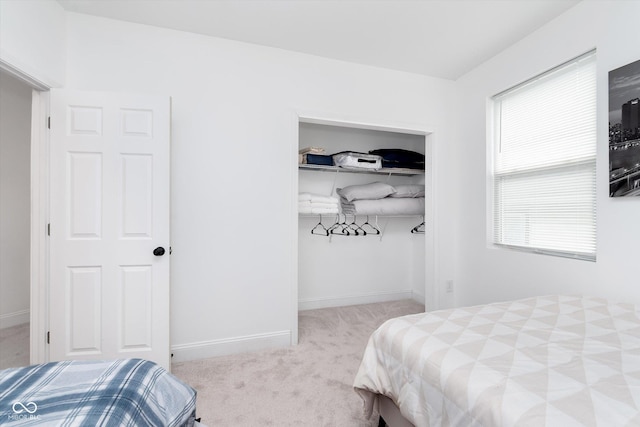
column 543, row 361
column 127, row 392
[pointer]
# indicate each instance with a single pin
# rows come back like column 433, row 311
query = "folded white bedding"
column 317, row 198
column 310, row 204
column 371, row 191
column 386, row 206
column 318, row 211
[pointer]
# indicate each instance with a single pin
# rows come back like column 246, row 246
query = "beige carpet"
column 14, row 346
column 306, row 385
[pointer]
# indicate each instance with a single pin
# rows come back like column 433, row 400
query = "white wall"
column 485, row 274
column 232, row 160
column 15, row 140
column 32, row 39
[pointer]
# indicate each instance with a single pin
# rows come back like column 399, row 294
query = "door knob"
column 159, row 251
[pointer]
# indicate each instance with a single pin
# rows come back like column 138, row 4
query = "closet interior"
column 372, row 248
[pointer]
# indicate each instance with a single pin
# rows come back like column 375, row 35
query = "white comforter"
column 545, row 361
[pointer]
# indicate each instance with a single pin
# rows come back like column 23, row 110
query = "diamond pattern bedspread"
column 128, row 392
column 545, row 361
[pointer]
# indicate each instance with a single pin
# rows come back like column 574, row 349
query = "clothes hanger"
column 359, row 231
column 342, row 227
column 335, row 224
column 419, row 228
column 323, row 231
column 374, row 229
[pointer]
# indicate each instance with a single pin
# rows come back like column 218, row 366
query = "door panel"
column 85, row 195
column 109, row 294
column 137, row 200
column 83, row 321
column 135, row 321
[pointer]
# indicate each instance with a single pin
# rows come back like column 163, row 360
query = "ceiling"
column 438, row 38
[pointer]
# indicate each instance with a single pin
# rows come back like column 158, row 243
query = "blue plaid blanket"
column 129, row 392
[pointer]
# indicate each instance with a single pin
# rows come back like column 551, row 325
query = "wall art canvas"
column 624, row 131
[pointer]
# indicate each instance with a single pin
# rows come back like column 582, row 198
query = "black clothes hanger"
column 373, row 229
column 358, row 230
column 418, row 228
column 320, row 229
column 341, row 227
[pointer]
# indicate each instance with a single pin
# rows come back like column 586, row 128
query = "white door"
column 109, row 292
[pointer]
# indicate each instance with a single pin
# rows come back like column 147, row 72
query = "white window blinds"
column 544, row 162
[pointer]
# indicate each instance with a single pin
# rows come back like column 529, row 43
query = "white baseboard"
column 13, row 319
column 369, row 298
column 223, row 347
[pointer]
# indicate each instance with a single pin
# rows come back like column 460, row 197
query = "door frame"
column 39, row 271
column 39, row 213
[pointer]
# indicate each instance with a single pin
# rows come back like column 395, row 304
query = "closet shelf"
column 383, row 171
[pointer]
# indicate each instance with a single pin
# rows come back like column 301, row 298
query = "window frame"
column 493, row 144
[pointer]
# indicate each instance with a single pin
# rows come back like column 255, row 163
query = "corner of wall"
column 33, row 41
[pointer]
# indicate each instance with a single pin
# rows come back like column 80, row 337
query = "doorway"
column 15, row 214
column 419, row 252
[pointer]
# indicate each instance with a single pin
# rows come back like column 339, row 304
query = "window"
column 544, row 162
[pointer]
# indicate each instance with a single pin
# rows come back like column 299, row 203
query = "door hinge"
column 48, row 337
column 49, row 229
column 49, row 122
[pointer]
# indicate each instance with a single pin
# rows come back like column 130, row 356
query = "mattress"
column 544, row 361
column 131, row 392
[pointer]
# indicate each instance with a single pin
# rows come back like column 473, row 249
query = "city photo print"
column 624, row 131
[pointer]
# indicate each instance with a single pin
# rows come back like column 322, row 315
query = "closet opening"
column 364, row 232
column 15, row 214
